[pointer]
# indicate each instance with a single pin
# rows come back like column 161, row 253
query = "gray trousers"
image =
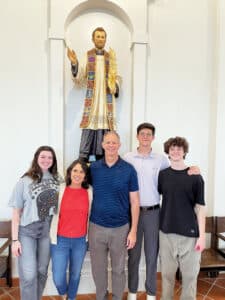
column 33, row 266
column 177, row 250
column 102, row 241
column 148, row 227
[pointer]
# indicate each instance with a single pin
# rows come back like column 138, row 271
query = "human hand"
column 131, row 240
column 194, row 170
column 200, row 244
column 72, row 56
column 16, row 248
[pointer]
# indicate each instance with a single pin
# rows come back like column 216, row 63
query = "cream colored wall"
column 23, row 92
column 181, row 78
column 219, row 186
column 185, row 90
column 24, row 89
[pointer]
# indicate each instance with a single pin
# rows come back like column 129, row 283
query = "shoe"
column 132, row 296
column 149, row 297
column 64, row 297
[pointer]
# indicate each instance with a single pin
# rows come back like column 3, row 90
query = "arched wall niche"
column 101, row 5
column 78, row 35
column 132, row 112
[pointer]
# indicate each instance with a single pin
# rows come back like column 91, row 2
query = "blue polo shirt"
column 111, row 188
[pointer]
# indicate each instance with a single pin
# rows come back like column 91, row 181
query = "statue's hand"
column 72, row 56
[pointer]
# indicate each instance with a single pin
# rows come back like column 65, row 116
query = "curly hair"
column 85, row 168
column 176, row 141
column 35, row 172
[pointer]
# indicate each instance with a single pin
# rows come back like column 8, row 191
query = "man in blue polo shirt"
column 114, row 217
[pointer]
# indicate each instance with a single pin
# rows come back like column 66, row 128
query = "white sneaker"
column 132, row 296
column 151, row 297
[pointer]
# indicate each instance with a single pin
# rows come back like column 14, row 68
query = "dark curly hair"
column 85, row 168
column 176, row 141
column 35, row 171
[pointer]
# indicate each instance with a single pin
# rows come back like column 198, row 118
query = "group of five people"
column 124, row 210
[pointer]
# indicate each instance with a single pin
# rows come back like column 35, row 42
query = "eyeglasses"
column 144, row 134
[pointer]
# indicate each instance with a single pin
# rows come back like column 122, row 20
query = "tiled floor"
column 208, row 289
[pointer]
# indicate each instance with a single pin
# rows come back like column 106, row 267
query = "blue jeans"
column 33, row 266
column 34, row 260
column 68, row 251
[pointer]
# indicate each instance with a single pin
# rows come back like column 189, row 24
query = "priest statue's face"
column 99, row 39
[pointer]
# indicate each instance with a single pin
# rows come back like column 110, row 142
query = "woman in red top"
column 69, row 230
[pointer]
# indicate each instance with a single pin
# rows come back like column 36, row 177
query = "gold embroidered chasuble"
column 99, row 106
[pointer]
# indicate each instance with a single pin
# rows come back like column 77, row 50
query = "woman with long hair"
column 69, row 228
column 34, row 201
